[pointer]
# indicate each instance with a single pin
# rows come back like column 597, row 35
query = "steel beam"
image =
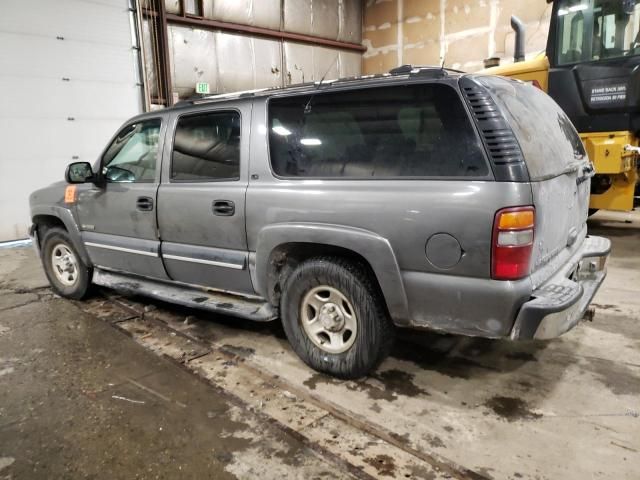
column 208, row 24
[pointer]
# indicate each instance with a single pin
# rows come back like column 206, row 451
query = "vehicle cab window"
column 133, row 155
column 590, row 30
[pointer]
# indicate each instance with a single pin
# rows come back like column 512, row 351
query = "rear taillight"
column 512, row 243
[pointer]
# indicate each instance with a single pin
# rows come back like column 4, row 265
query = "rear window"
column 548, row 140
column 401, row 131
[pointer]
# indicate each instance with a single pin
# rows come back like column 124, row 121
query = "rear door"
column 201, row 199
column 558, row 166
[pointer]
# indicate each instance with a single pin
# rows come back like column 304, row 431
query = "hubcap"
column 65, row 264
column 328, row 319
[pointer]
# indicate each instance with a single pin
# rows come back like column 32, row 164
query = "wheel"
column 68, row 275
column 335, row 318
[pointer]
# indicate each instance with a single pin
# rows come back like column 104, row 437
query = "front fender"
column 375, row 249
column 65, row 215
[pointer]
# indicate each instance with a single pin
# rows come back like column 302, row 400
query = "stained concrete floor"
column 439, row 407
column 78, row 399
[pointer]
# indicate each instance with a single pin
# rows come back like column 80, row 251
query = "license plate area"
column 588, row 267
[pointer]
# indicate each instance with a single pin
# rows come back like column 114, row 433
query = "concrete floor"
column 78, row 399
column 186, row 394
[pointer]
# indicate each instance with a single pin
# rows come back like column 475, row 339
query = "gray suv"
column 423, row 198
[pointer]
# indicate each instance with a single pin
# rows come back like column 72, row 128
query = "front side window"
column 206, row 147
column 133, row 155
column 384, row 132
column 590, row 30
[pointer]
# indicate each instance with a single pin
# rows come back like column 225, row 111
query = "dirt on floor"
column 128, row 387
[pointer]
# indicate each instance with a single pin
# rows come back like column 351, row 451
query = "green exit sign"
column 202, row 87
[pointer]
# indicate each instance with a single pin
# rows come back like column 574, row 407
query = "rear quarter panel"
column 405, row 212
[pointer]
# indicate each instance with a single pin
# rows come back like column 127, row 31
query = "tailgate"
column 558, row 167
column 562, row 205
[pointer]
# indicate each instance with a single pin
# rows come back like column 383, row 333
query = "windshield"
column 589, row 30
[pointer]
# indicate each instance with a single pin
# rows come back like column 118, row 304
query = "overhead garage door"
column 68, row 78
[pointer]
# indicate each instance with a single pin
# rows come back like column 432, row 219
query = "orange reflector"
column 70, row 194
column 516, row 220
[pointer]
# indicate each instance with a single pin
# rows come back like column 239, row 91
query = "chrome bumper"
column 560, row 303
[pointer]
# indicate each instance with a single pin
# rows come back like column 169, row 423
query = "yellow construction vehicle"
column 591, row 68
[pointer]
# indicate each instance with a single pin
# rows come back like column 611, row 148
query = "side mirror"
column 79, row 172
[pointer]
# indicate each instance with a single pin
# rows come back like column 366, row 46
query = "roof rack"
column 416, row 71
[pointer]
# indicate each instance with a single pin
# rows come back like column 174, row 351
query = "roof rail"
column 422, row 71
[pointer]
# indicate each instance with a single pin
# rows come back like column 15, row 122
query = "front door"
column 118, row 218
column 201, row 199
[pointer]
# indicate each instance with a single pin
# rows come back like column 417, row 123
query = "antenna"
column 307, row 107
column 327, row 71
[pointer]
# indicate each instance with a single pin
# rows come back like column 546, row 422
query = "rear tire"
column 335, row 318
column 68, row 275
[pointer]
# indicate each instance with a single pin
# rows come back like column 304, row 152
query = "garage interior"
column 122, row 386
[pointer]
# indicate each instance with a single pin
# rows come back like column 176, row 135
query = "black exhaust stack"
column 518, row 27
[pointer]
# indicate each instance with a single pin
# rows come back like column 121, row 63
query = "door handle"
column 144, row 203
column 223, row 208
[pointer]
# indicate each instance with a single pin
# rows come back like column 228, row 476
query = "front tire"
column 67, row 273
column 335, row 318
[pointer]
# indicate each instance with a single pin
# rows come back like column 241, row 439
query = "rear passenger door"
column 201, row 198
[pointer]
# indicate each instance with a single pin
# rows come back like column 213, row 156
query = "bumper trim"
column 560, row 303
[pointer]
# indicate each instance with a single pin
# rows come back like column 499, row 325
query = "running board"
column 218, row 302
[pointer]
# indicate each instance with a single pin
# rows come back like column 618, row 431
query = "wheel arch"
column 281, row 247
column 44, row 218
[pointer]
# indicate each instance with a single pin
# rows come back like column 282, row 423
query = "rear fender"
column 375, row 249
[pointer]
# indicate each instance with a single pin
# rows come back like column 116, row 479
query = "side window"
column 383, row 132
column 571, row 31
column 133, row 155
column 206, row 147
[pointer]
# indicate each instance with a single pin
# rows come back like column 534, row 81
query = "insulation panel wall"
column 461, row 32
column 232, row 62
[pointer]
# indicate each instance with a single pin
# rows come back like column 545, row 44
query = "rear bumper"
column 561, row 302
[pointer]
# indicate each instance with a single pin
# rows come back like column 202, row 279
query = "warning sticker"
column 70, row 194
column 608, row 94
